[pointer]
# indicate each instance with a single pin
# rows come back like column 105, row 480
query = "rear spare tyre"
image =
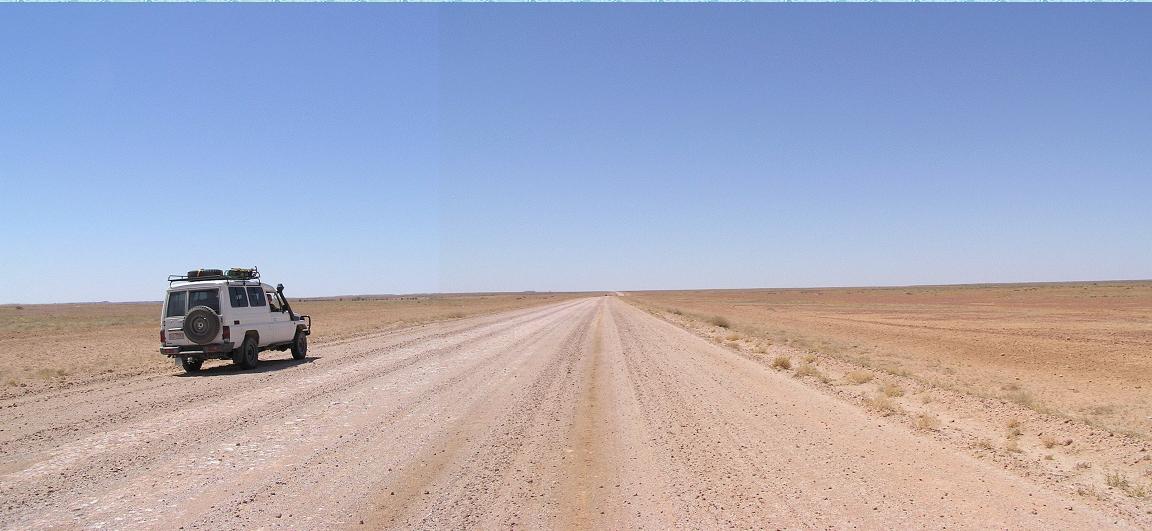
column 201, row 325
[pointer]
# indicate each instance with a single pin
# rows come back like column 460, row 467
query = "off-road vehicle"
column 216, row 314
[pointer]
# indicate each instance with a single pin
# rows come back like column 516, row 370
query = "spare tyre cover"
column 201, row 325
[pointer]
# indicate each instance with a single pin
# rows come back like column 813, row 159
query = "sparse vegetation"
column 891, row 390
column 927, row 422
column 1048, row 441
column 807, row 369
column 781, row 362
column 1047, row 328
column 859, row 377
column 1013, row 445
column 880, row 402
column 675, row 311
column 721, row 321
column 1118, row 480
column 809, row 358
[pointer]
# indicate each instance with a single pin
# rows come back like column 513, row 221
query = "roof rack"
column 236, row 273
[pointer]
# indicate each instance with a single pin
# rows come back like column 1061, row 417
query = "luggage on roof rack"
column 240, row 273
column 236, row 273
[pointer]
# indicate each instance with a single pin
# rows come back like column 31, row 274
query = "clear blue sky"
column 415, row 148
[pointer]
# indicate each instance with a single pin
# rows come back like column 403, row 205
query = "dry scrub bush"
column 927, row 422
column 720, row 321
column 809, row 370
column 891, row 390
column 1014, row 430
column 881, row 403
column 1048, row 441
column 809, row 358
column 1013, row 446
column 733, row 337
column 1120, row 481
column 984, row 443
column 859, row 377
column 675, row 311
column 782, row 362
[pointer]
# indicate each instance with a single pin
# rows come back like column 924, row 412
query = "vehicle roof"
column 183, row 284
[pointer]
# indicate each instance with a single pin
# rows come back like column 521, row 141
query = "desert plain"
column 957, row 406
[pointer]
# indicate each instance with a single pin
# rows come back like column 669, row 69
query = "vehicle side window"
column 238, row 297
column 272, row 305
column 256, row 296
column 205, row 297
column 177, row 303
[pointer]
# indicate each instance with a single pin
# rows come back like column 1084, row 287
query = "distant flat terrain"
column 1081, row 349
column 51, row 346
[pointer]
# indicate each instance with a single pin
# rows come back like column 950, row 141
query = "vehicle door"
column 174, row 308
column 241, row 316
column 283, row 327
column 259, row 318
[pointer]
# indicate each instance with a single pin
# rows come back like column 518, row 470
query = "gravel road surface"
column 583, row 414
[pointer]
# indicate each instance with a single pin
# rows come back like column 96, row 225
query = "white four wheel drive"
column 211, row 313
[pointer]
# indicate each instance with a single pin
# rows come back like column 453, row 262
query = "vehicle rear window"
column 177, row 303
column 205, row 297
column 238, row 297
column 256, row 296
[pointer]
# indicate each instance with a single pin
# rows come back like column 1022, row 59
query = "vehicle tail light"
column 162, row 338
column 226, row 334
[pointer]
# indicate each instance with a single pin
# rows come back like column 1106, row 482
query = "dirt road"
column 588, row 414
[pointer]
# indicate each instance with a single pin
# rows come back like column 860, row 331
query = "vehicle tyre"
column 300, row 345
column 247, row 355
column 201, row 325
column 191, row 364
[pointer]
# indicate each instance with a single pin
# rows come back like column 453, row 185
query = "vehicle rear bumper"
column 198, row 350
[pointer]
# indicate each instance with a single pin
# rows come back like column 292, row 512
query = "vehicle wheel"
column 247, row 355
column 191, row 364
column 300, row 346
column 201, row 325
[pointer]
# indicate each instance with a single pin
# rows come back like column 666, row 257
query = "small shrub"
column 782, row 362
column 1048, row 441
column 1117, row 480
column 457, row 315
column 808, row 369
column 881, row 403
column 675, row 311
column 985, row 444
column 859, row 377
column 720, row 321
column 809, row 358
column 18, row 307
column 1013, row 446
column 891, row 390
column 734, row 337
column 927, row 422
